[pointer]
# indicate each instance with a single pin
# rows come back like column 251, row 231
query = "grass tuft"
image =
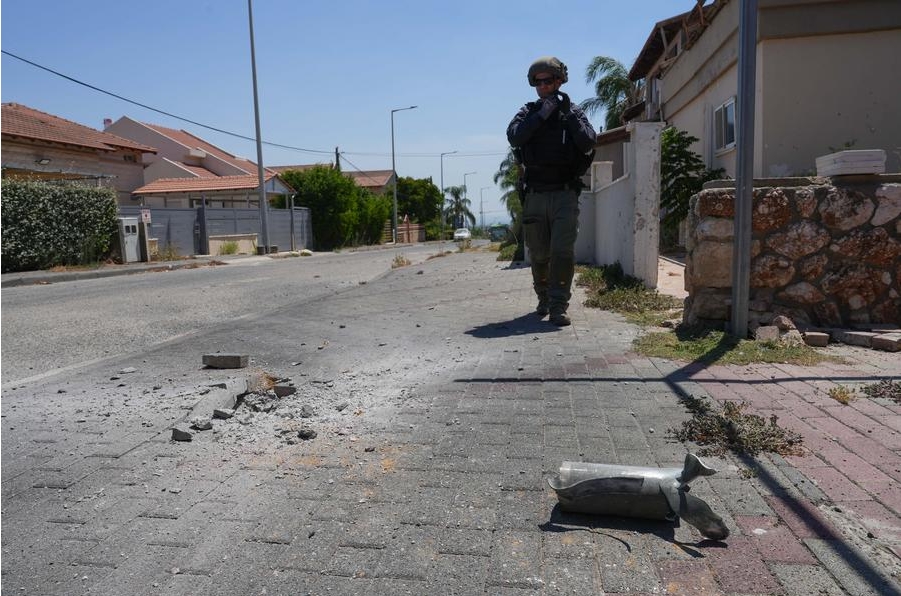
column 400, row 261
column 718, row 430
column 885, row 389
column 711, row 346
column 842, row 394
column 610, row 289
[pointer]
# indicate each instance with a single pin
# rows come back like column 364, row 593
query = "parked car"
column 498, row 232
column 462, row 234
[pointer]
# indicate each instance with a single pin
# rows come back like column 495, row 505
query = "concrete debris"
column 261, row 404
column 767, row 333
column 200, row 423
column 816, row 339
column 889, row 342
column 181, row 434
column 226, row 360
column 128, row 370
column 284, row 390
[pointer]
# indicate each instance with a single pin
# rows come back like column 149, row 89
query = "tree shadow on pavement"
column 521, row 325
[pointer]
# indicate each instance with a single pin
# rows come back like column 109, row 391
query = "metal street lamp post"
column 465, row 194
column 394, row 171
column 443, row 196
column 482, row 206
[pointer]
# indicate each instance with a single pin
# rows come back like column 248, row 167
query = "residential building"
column 39, row 145
column 187, row 169
column 376, row 181
column 827, row 79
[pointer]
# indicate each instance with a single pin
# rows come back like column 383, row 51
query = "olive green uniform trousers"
column 550, row 226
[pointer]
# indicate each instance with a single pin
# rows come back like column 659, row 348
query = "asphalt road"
column 50, row 329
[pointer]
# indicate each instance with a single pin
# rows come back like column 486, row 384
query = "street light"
column 465, row 194
column 394, row 171
column 482, row 205
column 443, row 196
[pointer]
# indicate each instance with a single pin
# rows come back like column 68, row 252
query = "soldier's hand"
column 548, row 105
column 565, row 104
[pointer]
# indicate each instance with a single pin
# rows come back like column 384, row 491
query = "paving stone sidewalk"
column 458, row 405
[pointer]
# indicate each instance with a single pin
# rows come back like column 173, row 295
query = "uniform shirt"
column 551, row 150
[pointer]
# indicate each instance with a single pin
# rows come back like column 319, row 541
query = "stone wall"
column 825, row 251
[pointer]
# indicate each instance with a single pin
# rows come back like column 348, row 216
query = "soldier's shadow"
column 619, row 529
column 522, row 325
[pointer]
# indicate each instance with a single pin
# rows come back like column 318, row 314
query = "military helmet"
column 547, row 64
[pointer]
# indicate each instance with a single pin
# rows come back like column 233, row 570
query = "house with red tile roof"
column 36, row 144
column 187, row 169
column 376, row 181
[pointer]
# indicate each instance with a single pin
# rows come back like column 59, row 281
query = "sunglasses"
column 544, row 81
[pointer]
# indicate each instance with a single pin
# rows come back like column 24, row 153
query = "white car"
column 462, row 234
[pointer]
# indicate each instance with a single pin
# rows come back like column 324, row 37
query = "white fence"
column 619, row 220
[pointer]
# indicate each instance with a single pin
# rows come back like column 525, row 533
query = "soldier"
column 554, row 143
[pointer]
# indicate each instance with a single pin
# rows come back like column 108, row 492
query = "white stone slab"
column 860, row 161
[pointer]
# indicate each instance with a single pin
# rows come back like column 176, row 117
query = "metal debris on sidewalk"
column 637, row 491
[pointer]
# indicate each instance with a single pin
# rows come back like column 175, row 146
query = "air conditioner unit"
column 199, row 153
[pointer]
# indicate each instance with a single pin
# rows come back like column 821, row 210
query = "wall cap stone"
column 811, row 181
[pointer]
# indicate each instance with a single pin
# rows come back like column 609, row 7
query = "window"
column 724, row 124
column 130, row 158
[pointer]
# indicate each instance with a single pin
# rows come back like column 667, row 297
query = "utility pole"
column 482, row 206
column 264, row 205
column 744, row 167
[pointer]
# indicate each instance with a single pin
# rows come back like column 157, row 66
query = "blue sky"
column 329, row 72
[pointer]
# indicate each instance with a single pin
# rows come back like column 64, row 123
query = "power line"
column 227, row 132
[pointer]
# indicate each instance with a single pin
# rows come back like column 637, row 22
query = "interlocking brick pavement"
column 433, row 480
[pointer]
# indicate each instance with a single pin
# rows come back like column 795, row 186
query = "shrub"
column 228, row 248
column 682, row 174
column 47, row 224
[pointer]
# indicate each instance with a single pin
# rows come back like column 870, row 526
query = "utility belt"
column 546, row 187
column 549, row 178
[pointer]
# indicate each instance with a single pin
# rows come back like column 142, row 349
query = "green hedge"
column 46, row 224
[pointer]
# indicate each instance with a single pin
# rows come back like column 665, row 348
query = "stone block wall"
column 825, row 252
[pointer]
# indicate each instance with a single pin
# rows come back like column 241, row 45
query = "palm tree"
column 458, row 206
column 614, row 92
column 507, row 177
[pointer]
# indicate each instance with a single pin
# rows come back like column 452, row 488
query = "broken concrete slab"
column 284, row 390
column 223, row 413
column 221, row 396
column 816, row 339
column 226, row 360
column 181, row 434
column 854, row 338
column 888, row 342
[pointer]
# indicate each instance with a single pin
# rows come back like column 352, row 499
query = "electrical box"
column 128, row 239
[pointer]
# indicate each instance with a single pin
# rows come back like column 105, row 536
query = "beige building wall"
column 852, row 98
column 821, row 82
column 120, row 169
column 168, row 148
